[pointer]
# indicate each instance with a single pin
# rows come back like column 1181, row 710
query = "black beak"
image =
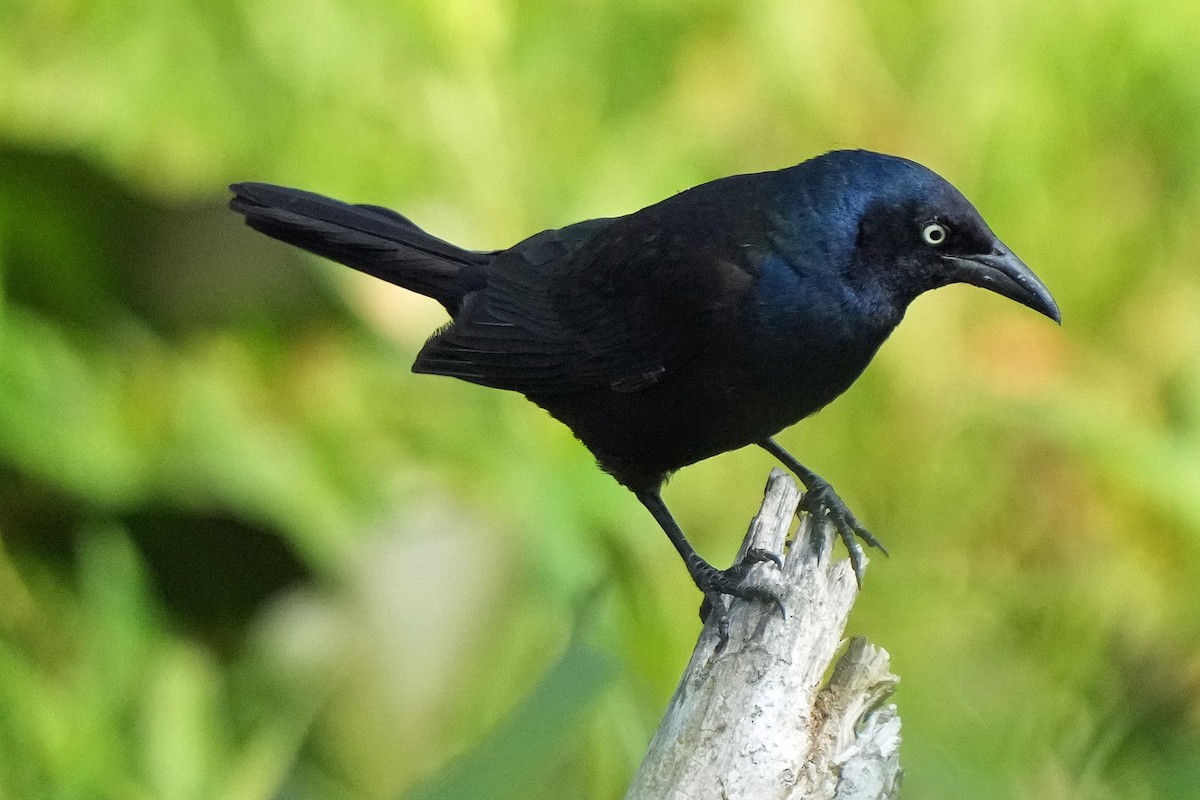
column 1005, row 274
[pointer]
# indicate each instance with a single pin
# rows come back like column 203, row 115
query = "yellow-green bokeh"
column 191, row 415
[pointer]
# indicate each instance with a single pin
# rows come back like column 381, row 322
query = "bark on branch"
column 753, row 721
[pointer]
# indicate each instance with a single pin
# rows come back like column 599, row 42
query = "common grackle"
column 703, row 323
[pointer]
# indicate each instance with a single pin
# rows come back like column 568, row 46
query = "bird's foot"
column 822, row 500
column 736, row 582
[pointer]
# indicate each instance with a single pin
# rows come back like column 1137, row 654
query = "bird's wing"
column 620, row 303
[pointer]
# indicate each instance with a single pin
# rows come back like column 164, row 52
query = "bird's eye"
column 934, row 233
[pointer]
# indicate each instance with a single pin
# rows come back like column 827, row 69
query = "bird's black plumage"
column 703, row 323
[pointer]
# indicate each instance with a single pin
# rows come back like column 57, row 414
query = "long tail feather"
column 370, row 239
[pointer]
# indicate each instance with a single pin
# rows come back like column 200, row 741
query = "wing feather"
column 620, row 303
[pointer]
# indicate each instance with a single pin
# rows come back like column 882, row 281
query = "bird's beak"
column 1005, row 274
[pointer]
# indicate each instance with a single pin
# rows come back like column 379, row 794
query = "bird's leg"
column 820, row 498
column 710, row 580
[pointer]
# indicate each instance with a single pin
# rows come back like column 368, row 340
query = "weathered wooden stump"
column 753, row 720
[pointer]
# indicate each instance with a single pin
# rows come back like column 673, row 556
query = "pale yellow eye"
column 934, row 233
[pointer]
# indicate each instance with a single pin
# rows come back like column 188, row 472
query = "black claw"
column 856, row 555
column 779, row 606
column 867, row 536
column 767, row 594
column 757, row 555
column 714, row 605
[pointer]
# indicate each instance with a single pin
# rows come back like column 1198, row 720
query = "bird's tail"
column 370, row 239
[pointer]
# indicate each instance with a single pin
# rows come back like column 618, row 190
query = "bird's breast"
column 808, row 338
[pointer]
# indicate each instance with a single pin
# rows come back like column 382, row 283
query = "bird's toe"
column 737, row 581
column 759, row 555
column 822, row 501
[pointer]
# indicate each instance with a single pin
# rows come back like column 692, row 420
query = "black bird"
column 706, row 322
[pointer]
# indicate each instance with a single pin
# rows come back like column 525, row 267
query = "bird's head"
column 916, row 232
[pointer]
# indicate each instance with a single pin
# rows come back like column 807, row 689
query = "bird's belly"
column 640, row 437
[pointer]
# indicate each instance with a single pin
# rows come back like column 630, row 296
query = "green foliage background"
column 246, row 554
